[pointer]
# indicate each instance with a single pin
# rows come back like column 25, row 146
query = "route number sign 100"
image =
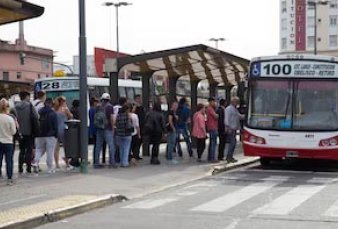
column 277, row 69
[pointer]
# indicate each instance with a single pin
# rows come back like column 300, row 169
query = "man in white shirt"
column 232, row 119
column 39, row 102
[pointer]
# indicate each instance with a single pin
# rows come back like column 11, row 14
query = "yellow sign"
column 59, row 73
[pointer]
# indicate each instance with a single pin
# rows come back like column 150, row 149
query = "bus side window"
column 122, row 92
column 130, row 93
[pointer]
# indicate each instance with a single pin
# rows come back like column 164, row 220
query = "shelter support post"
column 228, row 93
column 194, row 86
column 213, row 90
column 145, row 101
column 172, row 89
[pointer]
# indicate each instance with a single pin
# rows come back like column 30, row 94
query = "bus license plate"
column 291, row 154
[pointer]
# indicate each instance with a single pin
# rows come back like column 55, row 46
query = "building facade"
column 297, row 27
column 20, row 62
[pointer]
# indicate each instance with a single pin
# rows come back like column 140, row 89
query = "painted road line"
column 23, row 199
column 150, row 204
column 290, row 200
column 332, row 211
column 237, row 197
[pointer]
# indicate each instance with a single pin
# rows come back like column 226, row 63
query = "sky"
column 251, row 28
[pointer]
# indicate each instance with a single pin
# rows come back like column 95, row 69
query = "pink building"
column 38, row 62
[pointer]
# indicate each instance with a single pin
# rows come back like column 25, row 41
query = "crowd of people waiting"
column 39, row 127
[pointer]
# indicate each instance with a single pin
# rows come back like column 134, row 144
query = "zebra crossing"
column 277, row 195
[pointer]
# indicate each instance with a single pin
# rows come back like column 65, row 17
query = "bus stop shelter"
column 17, row 10
column 194, row 63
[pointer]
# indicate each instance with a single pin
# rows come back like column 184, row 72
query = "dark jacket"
column 48, row 122
column 25, row 113
column 221, row 125
column 154, row 123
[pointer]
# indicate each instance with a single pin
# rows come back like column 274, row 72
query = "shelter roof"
column 195, row 63
column 17, row 10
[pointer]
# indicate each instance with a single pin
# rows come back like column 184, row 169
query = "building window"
column 311, row 22
column 284, row 24
column 333, row 4
column 284, row 41
column 39, row 76
column 18, row 75
column 333, row 41
column 333, row 20
column 5, row 76
column 310, row 41
column 283, row 6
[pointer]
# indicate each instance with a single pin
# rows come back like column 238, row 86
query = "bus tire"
column 265, row 161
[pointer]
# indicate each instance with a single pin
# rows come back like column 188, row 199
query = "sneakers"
column 155, row 161
column 10, row 182
column 51, row 171
column 35, row 169
column 231, row 160
column 70, row 168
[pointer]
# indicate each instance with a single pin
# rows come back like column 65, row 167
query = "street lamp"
column 314, row 4
column 117, row 5
column 216, row 40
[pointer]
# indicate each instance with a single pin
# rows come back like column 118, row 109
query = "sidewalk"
column 39, row 196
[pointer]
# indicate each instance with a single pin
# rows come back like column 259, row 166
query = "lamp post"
column 114, row 73
column 117, row 5
column 216, row 40
column 314, row 4
column 83, row 87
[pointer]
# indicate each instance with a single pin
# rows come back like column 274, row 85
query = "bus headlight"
column 247, row 136
column 329, row 142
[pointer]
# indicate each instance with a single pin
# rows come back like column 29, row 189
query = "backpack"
column 124, row 126
column 100, row 118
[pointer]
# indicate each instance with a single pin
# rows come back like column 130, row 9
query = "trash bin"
column 72, row 139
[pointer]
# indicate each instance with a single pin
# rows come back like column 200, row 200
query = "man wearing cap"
column 105, row 133
column 212, row 128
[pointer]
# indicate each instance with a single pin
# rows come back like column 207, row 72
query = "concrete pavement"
column 35, row 200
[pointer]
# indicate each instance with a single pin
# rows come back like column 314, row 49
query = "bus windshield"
column 70, row 95
column 293, row 104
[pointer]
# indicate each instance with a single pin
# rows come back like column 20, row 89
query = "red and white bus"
column 292, row 108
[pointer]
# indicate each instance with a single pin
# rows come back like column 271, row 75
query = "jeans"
column 212, row 145
column 45, row 144
column 135, row 146
column 124, row 143
column 103, row 149
column 26, row 152
column 186, row 137
column 200, row 147
column 7, row 150
column 232, row 144
column 221, row 147
column 101, row 136
column 171, row 140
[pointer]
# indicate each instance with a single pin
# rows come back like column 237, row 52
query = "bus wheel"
column 265, row 161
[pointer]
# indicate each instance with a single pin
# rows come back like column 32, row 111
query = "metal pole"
column 315, row 36
column 117, row 32
column 83, row 89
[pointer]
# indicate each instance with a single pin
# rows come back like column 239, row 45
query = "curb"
column 61, row 213
column 225, row 167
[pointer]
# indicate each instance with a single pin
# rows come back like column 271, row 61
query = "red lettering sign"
column 301, row 25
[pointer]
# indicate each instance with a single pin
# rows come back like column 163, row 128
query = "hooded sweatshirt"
column 48, row 122
column 24, row 112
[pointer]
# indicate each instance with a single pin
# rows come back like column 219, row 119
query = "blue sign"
column 256, row 69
